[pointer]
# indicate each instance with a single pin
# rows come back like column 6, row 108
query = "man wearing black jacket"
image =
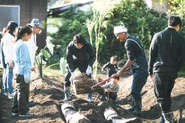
column 80, row 54
column 165, row 60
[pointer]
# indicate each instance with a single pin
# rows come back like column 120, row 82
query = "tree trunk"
column 71, row 115
column 111, row 115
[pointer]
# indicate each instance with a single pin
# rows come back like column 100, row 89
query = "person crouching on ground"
column 80, row 54
column 22, row 70
column 111, row 89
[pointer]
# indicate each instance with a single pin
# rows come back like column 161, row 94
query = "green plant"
column 141, row 22
column 73, row 22
column 43, row 54
column 101, row 9
column 48, row 68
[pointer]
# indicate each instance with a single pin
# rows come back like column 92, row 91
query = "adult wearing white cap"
column 136, row 59
column 36, row 25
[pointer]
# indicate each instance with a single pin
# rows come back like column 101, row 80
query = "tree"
column 101, row 9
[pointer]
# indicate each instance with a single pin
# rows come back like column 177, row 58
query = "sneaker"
column 31, row 104
column 15, row 114
column 6, row 93
column 102, row 97
column 10, row 96
column 28, row 114
column 89, row 97
column 90, row 100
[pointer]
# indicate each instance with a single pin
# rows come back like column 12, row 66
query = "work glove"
column 72, row 77
column 88, row 70
column 102, row 69
column 106, row 90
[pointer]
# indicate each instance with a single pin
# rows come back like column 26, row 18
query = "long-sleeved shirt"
column 86, row 53
column 21, row 58
column 167, row 51
column 133, row 47
column 8, row 47
column 136, row 53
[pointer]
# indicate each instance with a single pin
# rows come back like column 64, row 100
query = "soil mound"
column 47, row 95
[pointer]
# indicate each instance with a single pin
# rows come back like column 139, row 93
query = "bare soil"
column 48, row 94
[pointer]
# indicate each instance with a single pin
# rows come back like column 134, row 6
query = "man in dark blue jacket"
column 80, row 54
column 167, row 51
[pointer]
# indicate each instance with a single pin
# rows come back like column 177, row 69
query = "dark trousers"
column 21, row 97
column 82, row 67
column 139, row 80
column 163, row 85
column 112, row 96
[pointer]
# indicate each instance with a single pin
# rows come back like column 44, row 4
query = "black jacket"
column 167, row 51
column 111, row 68
column 85, row 54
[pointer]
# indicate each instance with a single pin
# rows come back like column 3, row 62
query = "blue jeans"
column 8, row 80
column 139, row 80
column 5, row 86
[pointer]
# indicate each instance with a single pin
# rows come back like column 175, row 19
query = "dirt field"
column 47, row 93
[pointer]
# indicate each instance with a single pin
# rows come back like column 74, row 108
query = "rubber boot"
column 89, row 97
column 132, row 107
column 168, row 117
column 137, row 110
column 67, row 94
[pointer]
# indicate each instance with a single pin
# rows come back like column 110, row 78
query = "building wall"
column 157, row 5
column 30, row 9
column 161, row 7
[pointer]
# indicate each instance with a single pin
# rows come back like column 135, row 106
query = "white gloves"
column 106, row 90
column 102, row 69
column 88, row 71
column 72, row 77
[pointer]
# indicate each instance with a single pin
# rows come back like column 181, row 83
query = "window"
column 9, row 13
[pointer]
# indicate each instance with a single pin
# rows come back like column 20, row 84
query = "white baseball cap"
column 119, row 29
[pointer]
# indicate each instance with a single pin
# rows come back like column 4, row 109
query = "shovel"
column 102, row 82
column 97, row 86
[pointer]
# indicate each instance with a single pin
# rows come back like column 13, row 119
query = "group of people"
column 18, row 48
column 166, row 57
